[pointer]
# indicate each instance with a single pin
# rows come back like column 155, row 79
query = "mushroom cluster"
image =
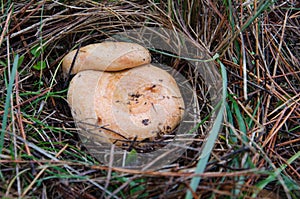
column 117, row 96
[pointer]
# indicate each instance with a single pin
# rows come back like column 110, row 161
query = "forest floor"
column 252, row 139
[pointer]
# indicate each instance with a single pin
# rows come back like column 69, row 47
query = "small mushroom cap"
column 106, row 56
column 132, row 104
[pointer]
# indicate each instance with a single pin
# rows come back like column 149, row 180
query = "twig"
column 6, row 24
column 41, row 172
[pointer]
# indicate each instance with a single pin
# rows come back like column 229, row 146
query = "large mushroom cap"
column 106, row 56
column 132, row 104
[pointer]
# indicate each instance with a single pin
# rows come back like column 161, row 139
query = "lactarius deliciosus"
column 117, row 94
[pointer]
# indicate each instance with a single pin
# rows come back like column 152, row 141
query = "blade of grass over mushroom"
column 7, row 100
column 262, row 184
column 216, row 56
column 212, row 135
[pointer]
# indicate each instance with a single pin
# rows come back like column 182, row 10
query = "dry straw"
column 255, row 154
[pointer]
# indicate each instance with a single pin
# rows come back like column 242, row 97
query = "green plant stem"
column 7, row 101
column 261, row 185
column 213, row 134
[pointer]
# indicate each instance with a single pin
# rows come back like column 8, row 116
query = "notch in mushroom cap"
column 106, row 56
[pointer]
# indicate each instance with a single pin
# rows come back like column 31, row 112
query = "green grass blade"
column 261, row 185
column 239, row 116
column 213, row 134
column 230, row 15
column 265, row 5
column 7, row 100
column 232, row 137
column 216, row 56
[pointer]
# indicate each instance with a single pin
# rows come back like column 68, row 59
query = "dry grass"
column 257, row 151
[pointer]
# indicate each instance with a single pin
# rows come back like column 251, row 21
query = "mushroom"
column 106, row 56
column 122, row 97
